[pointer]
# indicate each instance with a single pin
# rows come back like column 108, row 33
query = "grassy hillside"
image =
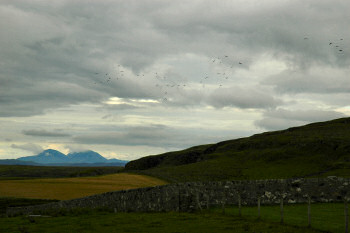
column 318, row 149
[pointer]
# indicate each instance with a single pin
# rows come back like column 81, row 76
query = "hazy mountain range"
column 55, row 158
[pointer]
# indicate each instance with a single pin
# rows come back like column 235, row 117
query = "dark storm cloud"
column 44, row 133
column 281, row 118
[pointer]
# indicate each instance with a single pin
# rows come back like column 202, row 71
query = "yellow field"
column 69, row 188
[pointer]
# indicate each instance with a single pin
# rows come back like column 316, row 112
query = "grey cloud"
column 152, row 135
column 321, row 80
column 242, row 98
column 77, row 148
column 28, row 147
column 281, row 118
column 120, row 107
column 44, row 133
column 279, row 28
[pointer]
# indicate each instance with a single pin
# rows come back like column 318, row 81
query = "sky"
column 134, row 78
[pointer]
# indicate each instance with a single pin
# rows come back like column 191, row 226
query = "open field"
column 23, row 171
column 144, row 222
column 69, row 188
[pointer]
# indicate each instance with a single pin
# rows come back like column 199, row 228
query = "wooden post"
column 223, row 201
column 197, row 202
column 309, row 211
column 239, row 205
column 258, row 207
column 223, row 205
column 178, row 201
column 282, row 210
column 346, row 213
column 207, row 201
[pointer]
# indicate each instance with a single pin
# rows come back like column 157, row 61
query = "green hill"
column 317, row 149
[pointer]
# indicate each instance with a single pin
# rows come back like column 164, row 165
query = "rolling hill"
column 317, row 149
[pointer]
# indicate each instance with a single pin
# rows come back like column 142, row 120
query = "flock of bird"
column 337, row 45
column 166, row 85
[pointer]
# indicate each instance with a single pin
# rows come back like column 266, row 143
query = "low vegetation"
column 69, row 188
column 318, row 149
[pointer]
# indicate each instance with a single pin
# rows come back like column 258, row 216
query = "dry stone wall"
column 187, row 197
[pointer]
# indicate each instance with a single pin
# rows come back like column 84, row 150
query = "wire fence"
column 331, row 217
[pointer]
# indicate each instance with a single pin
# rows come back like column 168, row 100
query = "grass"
column 23, row 171
column 144, row 222
column 69, row 188
column 324, row 216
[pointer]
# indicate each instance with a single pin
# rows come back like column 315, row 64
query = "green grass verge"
column 325, row 217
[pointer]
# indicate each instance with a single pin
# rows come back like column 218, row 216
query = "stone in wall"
column 191, row 196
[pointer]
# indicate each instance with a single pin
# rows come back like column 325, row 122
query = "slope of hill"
column 45, row 157
column 316, row 149
column 83, row 157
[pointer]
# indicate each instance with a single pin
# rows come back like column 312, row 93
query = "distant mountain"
column 55, row 158
column 47, row 156
column 86, row 157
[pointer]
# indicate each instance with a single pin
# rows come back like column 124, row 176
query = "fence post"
column 197, row 202
column 207, row 201
column 223, row 204
column 346, row 213
column 239, row 205
column 309, row 211
column 282, row 210
column 178, row 201
column 258, row 207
